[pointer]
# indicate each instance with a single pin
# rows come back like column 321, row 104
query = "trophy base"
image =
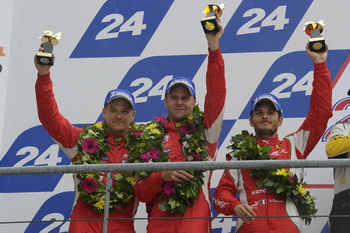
column 44, row 58
column 210, row 24
column 317, row 44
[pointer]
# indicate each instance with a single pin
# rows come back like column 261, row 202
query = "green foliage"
column 122, row 190
column 144, row 139
column 281, row 181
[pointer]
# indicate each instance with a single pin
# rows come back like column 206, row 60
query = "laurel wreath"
column 92, row 146
column 280, row 181
column 145, row 143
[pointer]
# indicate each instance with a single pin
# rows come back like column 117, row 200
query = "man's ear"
column 104, row 112
column 251, row 121
column 280, row 121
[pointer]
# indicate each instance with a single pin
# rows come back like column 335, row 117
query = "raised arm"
column 216, row 90
column 320, row 111
column 57, row 126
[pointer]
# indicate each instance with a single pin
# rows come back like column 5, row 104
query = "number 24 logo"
column 134, row 24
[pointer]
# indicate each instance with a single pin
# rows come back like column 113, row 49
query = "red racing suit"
column 148, row 190
column 294, row 146
column 66, row 136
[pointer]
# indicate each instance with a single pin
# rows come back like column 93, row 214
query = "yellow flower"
column 301, row 189
column 281, row 172
column 190, row 116
column 198, row 150
column 155, row 131
column 89, row 175
column 151, row 126
column 128, row 198
column 131, row 180
column 99, row 205
column 99, row 124
column 86, row 157
column 309, row 198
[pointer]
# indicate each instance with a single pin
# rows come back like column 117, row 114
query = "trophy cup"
column 48, row 41
column 316, row 42
column 210, row 22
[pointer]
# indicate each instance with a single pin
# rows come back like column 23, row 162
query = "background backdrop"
column 139, row 46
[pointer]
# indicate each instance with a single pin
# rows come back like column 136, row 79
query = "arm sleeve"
column 338, row 143
column 310, row 132
column 56, row 125
column 225, row 195
column 146, row 190
column 215, row 96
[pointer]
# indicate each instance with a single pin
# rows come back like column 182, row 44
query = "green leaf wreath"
column 281, row 181
column 92, row 147
column 145, row 143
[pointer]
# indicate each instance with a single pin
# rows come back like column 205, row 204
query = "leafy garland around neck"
column 145, row 143
column 281, row 181
column 92, row 146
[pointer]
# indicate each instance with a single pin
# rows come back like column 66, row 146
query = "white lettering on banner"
column 159, row 88
column 134, row 24
column 50, row 217
column 49, row 157
column 277, row 19
column 223, row 223
column 156, row 90
column 258, row 191
column 147, row 84
column 304, row 84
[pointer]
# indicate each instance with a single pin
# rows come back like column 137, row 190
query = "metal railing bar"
column 254, row 164
column 168, row 218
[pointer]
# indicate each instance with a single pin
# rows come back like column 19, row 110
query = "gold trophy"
column 316, row 42
column 48, row 40
column 210, row 22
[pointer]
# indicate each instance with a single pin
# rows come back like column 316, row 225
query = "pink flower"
column 169, row 187
column 150, row 155
column 161, row 119
column 197, row 157
column 291, row 179
column 187, row 128
column 136, row 132
column 89, row 185
column 90, row 146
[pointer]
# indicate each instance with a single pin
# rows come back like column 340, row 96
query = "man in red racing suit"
column 266, row 117
column 118, row 113
column 180, row 101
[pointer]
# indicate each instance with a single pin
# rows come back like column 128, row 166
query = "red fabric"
column 297, row 145
column 66, row 136
column 148, row 190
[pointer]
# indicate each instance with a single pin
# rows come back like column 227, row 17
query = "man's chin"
column 178, row 117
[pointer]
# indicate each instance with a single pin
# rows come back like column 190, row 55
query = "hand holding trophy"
column 316, row 42
column 48, row 41
column 210, row 23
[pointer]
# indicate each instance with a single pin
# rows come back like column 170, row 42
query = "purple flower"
column 186, row 128
column 136, row 132
column 89, row 185
column 161, row 119
column 197, row 157
column 169, row 188
column 291, row 179
column 150, row 155
column 90, row 146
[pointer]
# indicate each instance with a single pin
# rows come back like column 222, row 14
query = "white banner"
column 139, row 45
